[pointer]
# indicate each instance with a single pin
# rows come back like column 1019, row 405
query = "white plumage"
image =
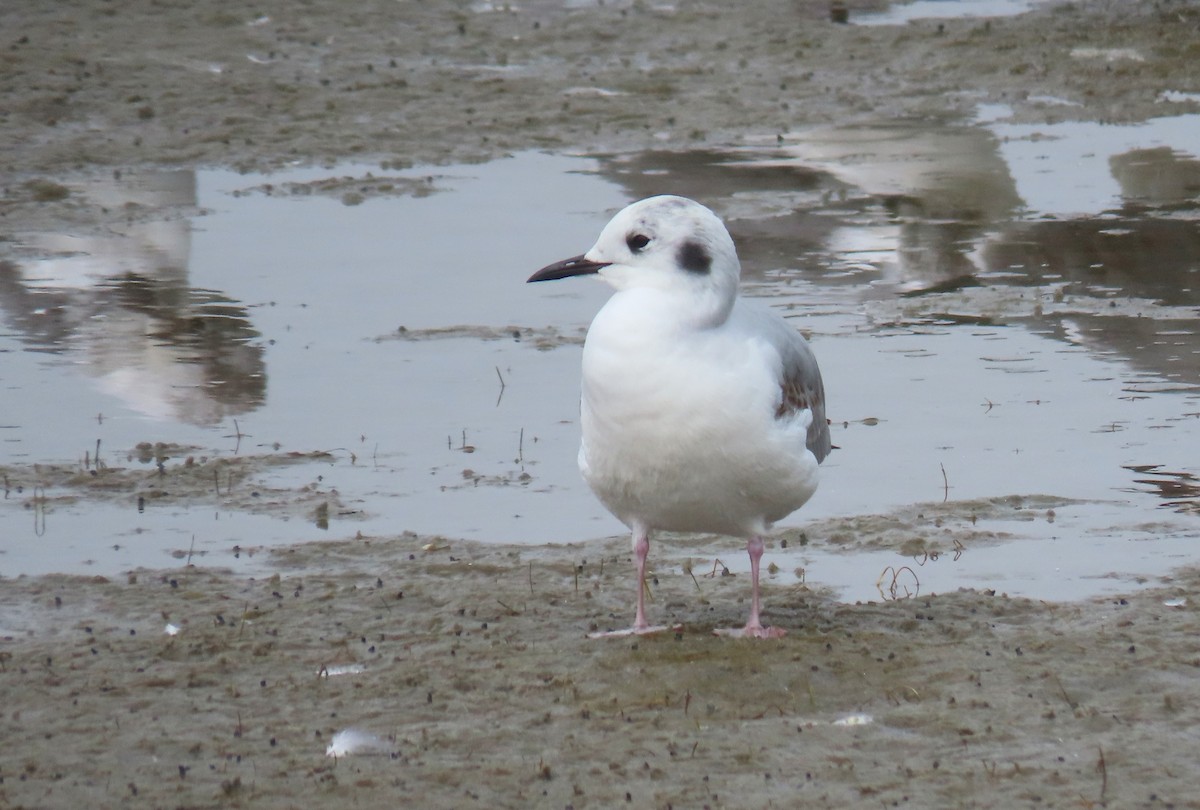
column 700, row 412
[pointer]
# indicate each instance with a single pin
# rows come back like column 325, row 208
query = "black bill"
column 574, row 266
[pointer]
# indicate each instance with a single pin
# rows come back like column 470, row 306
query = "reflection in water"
column 1161, row 347
column 120, row 306
column 932, row 170
column 938, row 188
column 1178, row 490
column 942, row 186
column 1130, row 253
column 901, row 13
column 935, row 207
column 1158, row 176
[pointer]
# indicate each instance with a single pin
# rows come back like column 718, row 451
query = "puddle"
column 1040, row 559
column 901, row 13
column 1077, row 168
column 997, row 308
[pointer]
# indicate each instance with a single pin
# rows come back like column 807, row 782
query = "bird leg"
column 641, row 548
column 754, row 628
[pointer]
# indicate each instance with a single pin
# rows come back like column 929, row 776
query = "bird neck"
column 647, row 309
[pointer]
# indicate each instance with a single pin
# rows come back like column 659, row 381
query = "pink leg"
column 641, row 548
column 754, row 628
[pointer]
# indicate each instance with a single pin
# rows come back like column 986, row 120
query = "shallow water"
column 900, row 13
column 997, row 308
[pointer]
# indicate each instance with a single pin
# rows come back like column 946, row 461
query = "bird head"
column 669, row 244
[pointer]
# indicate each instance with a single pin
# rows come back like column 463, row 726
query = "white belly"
column 681, row 435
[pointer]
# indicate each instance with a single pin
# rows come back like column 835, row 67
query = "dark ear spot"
column 694, row 257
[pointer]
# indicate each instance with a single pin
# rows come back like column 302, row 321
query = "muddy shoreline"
column 466, row 663
column 434, row 83
column 469, row 665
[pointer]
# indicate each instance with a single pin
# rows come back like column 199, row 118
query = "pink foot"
column 749, row 631
column 636, row 631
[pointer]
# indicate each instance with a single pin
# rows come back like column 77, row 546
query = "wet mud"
column 162, row 474
column 461, row 669
column 546, row 337
column 468, row 668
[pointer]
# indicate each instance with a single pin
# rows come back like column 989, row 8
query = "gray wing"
column 801, row 384
column 803, row 388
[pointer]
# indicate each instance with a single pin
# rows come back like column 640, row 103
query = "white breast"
column 679, row 427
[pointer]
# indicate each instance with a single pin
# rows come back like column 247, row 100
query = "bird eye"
column 637, row 241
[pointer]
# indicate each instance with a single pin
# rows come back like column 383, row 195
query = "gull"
column 700, row 412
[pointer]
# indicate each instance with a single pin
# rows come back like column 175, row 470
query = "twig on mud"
column 511, row 610
column 1103, row 768
column 502, row 386
column 531, row 576
column 724, row 568
column 237, row 434
column 463, row 447
column 893, row 588
column 1063, row 690
column 774, row 706
column 945, row 483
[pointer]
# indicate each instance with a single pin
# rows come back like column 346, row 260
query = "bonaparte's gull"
column 700, row 412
